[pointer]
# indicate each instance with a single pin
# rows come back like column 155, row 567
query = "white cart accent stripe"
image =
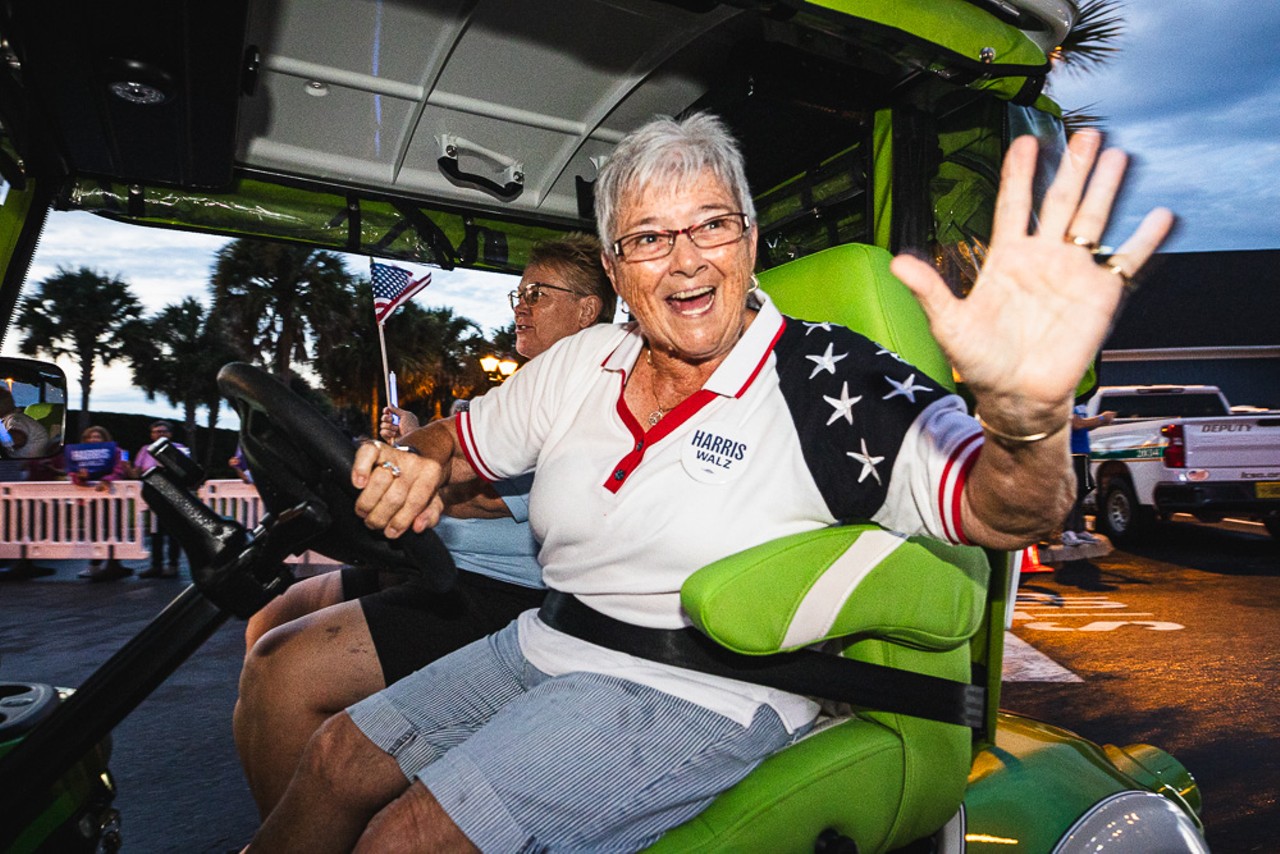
column 821, row 605
column 1025, row 663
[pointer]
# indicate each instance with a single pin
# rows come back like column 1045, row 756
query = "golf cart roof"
column 444, row 130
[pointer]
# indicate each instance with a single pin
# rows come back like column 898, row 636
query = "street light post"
column 498, row 370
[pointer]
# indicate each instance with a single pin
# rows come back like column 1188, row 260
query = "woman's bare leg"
column 294, row 678
column 414, row 822
column 342, row 782
column 301, row 598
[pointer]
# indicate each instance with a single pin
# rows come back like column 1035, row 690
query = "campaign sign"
column 95, row 458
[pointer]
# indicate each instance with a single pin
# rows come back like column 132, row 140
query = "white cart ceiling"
column 535, row 90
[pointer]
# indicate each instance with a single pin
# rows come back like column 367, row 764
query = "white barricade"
column 62, row 521
column 54, row 520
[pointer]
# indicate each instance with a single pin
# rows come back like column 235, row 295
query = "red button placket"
column 642, row 441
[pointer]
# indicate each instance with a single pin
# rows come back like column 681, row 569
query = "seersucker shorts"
column 525, row 762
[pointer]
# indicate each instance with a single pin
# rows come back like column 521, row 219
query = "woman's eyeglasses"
column 650, row 245
column 532, row 292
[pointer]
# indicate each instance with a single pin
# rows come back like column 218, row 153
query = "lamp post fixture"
column 497, row 369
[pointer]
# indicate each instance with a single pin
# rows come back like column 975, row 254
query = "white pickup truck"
column 1179, row 449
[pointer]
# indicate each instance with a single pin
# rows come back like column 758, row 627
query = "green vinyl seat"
column 880, row 779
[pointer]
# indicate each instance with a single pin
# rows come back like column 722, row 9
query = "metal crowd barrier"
column 53, row 520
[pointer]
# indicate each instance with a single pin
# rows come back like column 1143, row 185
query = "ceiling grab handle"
column 453, row 147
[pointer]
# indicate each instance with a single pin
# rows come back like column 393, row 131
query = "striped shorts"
column 522, row 761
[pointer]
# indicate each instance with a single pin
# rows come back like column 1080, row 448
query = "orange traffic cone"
column 1031, row 561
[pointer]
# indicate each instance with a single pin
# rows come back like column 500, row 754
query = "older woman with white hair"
column 535, row 738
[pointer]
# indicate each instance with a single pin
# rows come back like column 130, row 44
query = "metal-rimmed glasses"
column 532, row 292
column 719, row 230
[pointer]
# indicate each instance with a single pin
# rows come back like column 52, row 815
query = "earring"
column 755, row 287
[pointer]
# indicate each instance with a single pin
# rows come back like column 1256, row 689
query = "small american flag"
column 392, row 287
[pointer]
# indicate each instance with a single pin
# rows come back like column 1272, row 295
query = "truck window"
column 1182, row 405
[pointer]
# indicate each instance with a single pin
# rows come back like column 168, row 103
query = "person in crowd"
column 336, row 638
column 116, row 469
column 1074, row 530
column 240, row 466
column 536, row 739
column 160, row 538
column 22, row 437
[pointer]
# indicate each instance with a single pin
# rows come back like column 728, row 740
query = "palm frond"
column 1081, row 118
column 1093, row 39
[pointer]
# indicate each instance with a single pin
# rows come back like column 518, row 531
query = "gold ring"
column 392, row 467
column 1085, row 243
column 1125, row 278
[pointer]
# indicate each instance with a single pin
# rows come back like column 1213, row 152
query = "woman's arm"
column 476, row 499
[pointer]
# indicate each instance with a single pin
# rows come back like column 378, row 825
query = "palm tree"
column 1091, row 42
column 81, row 315
column 177, row 353
column 504, row 341
column 277, row 299
column 351, row 369
column 453, row 345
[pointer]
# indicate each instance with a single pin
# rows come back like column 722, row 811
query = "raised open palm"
column 1042, row 304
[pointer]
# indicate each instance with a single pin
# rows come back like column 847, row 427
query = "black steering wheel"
column 298, row 455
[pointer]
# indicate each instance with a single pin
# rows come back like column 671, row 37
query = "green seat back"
column 851, row 285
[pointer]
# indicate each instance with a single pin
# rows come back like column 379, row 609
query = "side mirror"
column 33, row 410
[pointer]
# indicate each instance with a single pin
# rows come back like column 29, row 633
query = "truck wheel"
column 1120, row 516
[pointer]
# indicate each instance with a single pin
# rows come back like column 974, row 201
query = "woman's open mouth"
column 693, row 302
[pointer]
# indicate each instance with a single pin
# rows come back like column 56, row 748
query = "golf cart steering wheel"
column 297, row 455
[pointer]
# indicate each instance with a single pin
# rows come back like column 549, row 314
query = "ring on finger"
column 1125, row 279
column 1083, row 242
column 391, row 467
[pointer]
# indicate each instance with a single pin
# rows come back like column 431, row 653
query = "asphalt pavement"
column 180, row 786
column 1173, row 643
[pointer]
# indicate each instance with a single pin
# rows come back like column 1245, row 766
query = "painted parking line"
column 1053, row 612
column 1024, row 663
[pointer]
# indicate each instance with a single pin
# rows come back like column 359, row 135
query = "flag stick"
column 386, row 374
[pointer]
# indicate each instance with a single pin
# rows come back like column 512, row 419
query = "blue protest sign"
column 94, row 458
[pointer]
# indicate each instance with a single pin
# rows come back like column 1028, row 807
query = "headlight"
column 1133, row 823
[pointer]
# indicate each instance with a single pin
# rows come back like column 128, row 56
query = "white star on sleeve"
column 885, row 351
column 825, row 362
column 868, row 463
column 843, row 405
column 809, row 327
column 907, row 388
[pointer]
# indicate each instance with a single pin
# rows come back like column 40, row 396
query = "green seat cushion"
column 853, row 580
column 795, row 794
column 882, row 782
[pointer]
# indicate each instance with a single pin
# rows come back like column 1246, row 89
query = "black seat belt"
column 806, row 672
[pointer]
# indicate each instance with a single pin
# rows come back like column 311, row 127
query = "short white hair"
column 666, row 152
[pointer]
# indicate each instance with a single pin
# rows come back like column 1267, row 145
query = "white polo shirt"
column 802, row 426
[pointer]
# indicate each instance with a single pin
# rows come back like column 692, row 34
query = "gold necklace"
column 656, row 415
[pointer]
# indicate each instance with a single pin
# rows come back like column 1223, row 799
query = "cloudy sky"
column 1194, row 96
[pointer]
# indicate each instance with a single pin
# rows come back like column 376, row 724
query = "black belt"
column 806, row 672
